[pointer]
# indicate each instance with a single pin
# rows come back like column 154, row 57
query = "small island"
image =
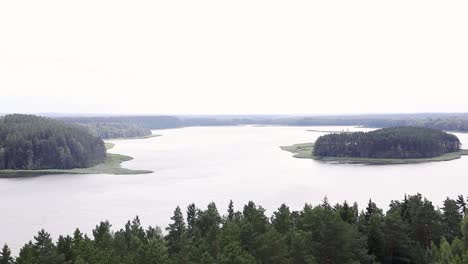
column 397, row 145
column 32, row 146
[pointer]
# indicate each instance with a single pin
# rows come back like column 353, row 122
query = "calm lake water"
column 204, row 164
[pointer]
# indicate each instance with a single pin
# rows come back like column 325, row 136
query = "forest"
column 412, row 230
column 29, row 142
column 123, row 126
column 117, row 124
column 111, row 129
column 388, row 143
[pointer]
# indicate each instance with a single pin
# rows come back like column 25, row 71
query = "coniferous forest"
column 395, row 142
column 412, row 230
column 29, row 142
column 111, row 127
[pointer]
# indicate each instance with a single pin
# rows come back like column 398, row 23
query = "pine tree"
column 26, row 254
column 347, row 213
column 102, row 235
column 398, row 245
column 464, row 230
column 5, row 255
column 191, row 217
column 45, row 251
column 461, row 204
column 451, row 218
column 230, row 210
column 176, row 232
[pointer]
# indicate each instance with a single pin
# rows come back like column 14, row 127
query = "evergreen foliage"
column 411, row 231
column 30, row 142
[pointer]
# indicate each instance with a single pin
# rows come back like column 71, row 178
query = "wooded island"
column 397, row 145
column 388, row 143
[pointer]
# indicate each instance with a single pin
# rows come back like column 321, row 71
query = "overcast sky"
column 233, row 57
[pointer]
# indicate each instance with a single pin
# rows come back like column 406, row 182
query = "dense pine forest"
column 411, row 231
column 397, row 142
column 30, row 142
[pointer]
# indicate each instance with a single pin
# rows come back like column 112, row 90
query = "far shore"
column 305, row 151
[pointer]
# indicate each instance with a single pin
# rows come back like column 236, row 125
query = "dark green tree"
column 234, row 254
column 282, row 220
column 451, row 218
column 461, row 203
column 191, row 217
column 230, row 210
column 45, row 251
column 177, row 235
column 5, row 255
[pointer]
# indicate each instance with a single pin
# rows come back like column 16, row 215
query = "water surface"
column 203, row 164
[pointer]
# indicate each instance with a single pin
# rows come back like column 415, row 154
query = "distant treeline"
column 436, row 121
column 396, row 142
column 107, row 129
column 131, row 126
column 125, row 126
column 30, row 142
column 411, row 231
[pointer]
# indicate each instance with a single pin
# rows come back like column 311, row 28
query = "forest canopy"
column 29, row 142
column 412, row 231
column 388, row 143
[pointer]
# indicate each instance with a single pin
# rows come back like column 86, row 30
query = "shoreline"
column 111, row 165
column 128, row 138
column 305, row 150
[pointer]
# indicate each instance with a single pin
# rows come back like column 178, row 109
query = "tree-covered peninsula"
column 29, row 142
column 388, row 143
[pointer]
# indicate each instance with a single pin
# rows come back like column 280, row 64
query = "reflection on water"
column 203, row 164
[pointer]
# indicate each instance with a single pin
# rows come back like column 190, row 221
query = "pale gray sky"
column 237, row 57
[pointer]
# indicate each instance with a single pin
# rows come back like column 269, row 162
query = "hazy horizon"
column 229, row 115
column 243, row 57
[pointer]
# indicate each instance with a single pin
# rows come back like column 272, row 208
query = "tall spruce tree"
column 5, row 255
column 451, row 218
column 176, row 236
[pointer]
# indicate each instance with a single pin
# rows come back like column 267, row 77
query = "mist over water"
column 204, row 164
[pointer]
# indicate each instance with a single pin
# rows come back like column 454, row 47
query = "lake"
column 204, row 164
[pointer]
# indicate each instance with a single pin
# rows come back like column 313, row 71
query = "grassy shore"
column 112, row 165
column 142, row 137
column 305, row 151
column 109, row 145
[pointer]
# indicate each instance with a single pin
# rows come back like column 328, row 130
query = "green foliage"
column 112, row 128
column 30, row 142
column 118, row 126
column 5, row 256
column 388, row 143
column 411, row 231
column 452, row 219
